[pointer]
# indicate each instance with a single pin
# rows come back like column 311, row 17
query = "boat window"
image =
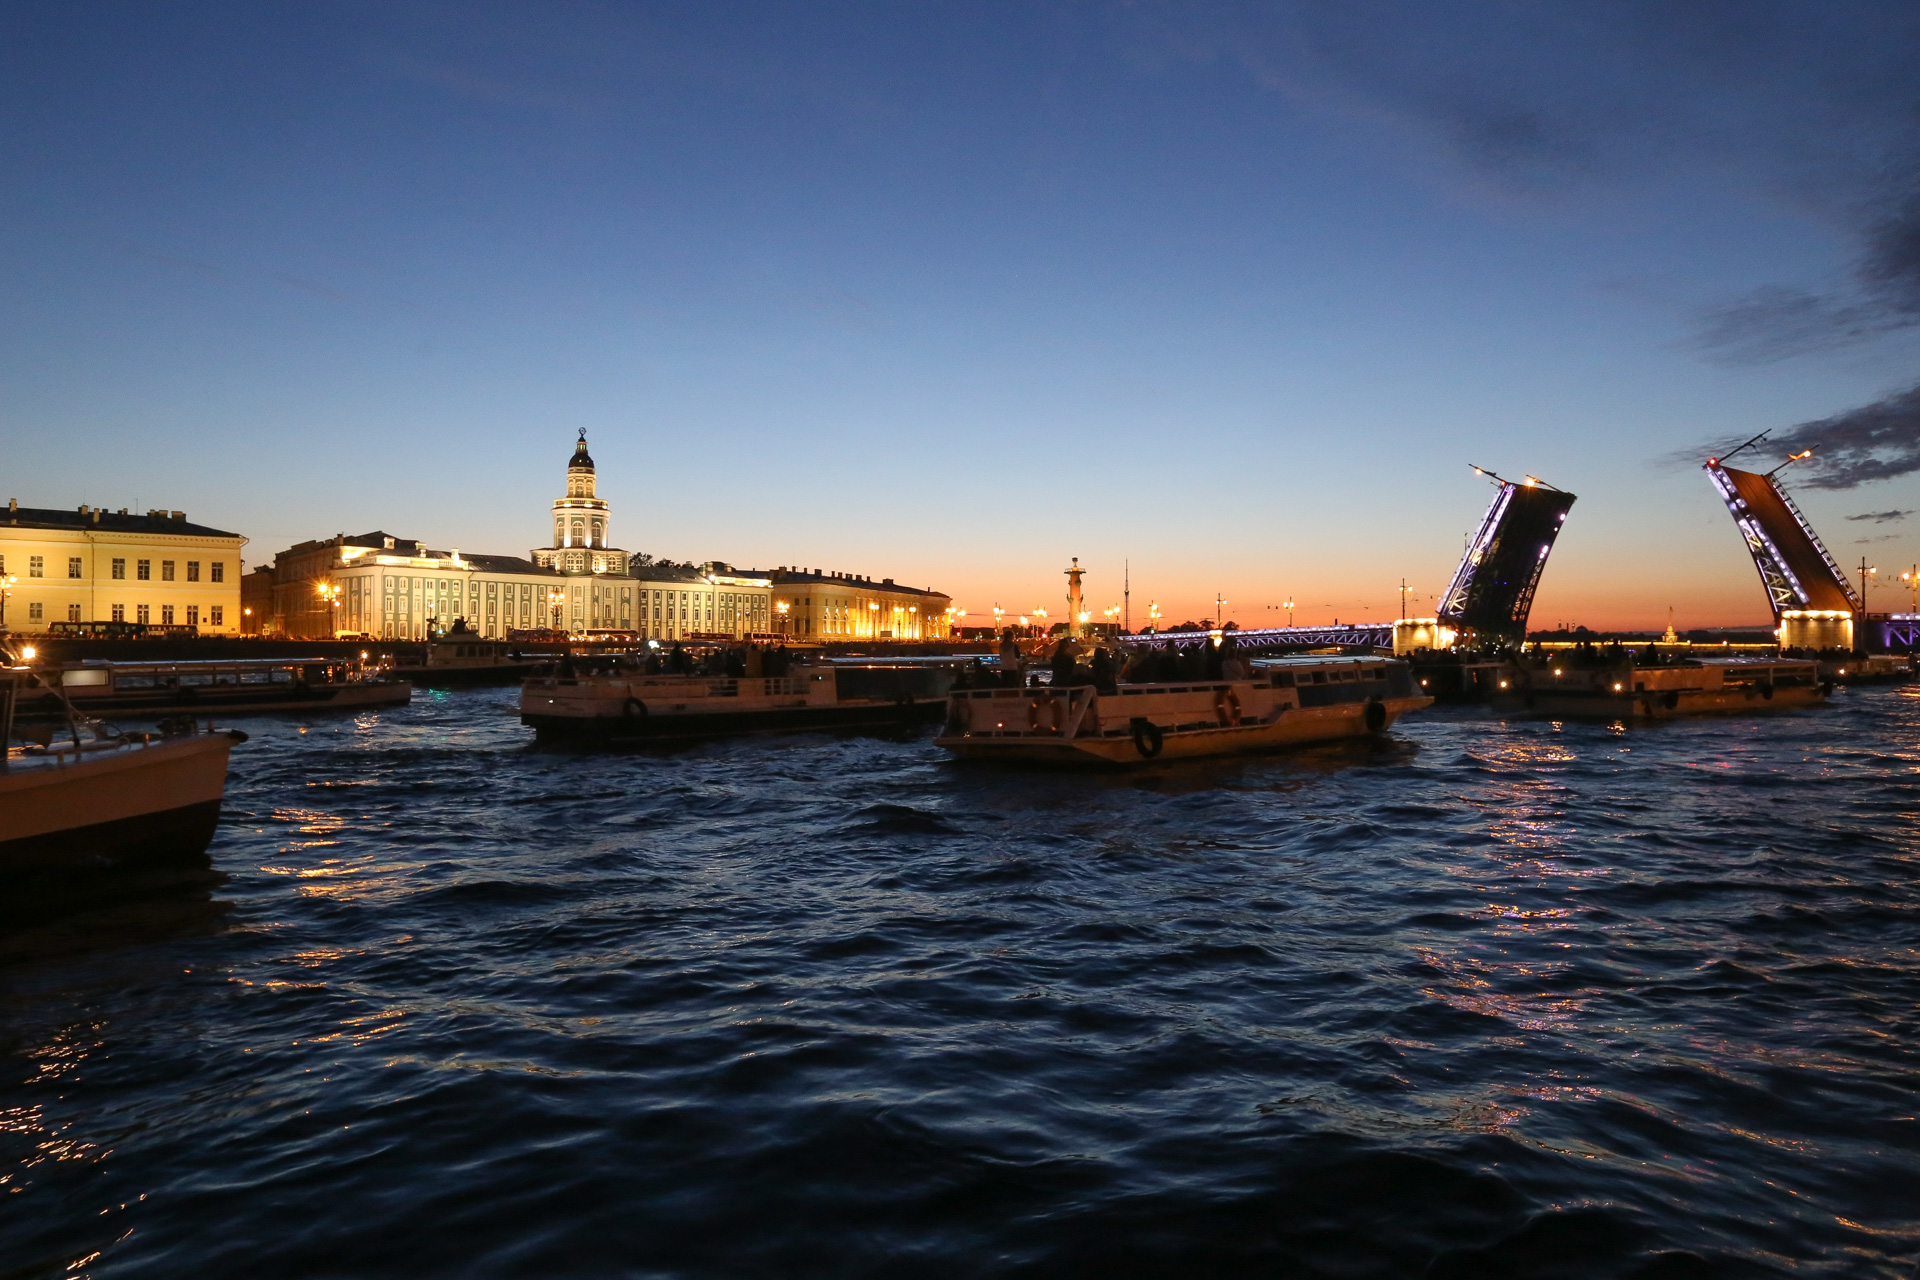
column 1283, row 679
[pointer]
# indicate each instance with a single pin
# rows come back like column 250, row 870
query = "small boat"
column 232, row 687
column 1288, row 702
column 1869, row 668
column 1623, row 691
column 839, row 694
column 469, row 659
column 101, row 807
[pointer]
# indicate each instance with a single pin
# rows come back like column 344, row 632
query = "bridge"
column 1814, row 606
column 1370, row 635
column 1491, row 594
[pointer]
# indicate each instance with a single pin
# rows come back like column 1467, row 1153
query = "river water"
column 1481, row 999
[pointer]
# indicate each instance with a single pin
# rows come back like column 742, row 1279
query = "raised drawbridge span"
column 1813, row 604
column 1491, row 594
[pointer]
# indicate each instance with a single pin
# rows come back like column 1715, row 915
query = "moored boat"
column 1621, row 690
column 827, row 695
column 1287, row 702
column 468, row 659
column 100, row 807
column 230, row 687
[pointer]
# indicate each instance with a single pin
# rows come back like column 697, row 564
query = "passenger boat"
column 838, row 694
column 1624, row 691
column 242, row 686
column 1288, row 702
column 472, row 660
column 100, row 806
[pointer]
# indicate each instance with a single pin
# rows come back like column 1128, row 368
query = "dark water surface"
column 1484, row 999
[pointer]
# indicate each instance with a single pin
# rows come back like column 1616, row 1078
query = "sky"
column 1222, row 299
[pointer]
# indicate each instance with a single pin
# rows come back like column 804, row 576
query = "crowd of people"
column 1104, row 668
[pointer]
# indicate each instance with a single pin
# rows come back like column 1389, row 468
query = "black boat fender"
column 1147, row 738
column 1375, row 715
column 634, row 709
column 1766, row 691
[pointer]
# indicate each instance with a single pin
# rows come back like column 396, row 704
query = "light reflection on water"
column 483, row 1007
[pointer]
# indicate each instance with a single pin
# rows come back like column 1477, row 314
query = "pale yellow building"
column 707, row 603
column 827, row 607
column 90, row 565
column 393, row 588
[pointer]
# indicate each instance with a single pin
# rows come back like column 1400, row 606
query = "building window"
column 166, row 615
column 73, row 613
column 193, row 615
column 143, row 570
column 33, row 612
column 166, row 571
column 119, row 613
column 119, row 567
column 36, row 566
column 73, row 567
column 140, row 612
column 193, row 571
column 217, row 614
column 217, row 570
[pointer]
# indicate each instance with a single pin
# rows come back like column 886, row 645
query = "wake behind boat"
column 1288, row 702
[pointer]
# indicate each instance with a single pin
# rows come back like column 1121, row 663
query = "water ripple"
column 1487, row 999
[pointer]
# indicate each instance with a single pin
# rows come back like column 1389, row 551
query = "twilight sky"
column 950, row 293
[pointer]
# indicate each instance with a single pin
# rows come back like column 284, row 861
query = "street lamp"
column 1040, row 624
column 331, row 594
column 6, row 589
column 555, row 598
column 1912, row 578
column 1153, row 617
column 780, row 607
column 1288, row 606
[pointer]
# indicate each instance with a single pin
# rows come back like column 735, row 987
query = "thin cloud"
column 1882, row 517
column 1877, row 441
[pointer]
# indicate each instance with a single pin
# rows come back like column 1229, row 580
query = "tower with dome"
column 599, row 591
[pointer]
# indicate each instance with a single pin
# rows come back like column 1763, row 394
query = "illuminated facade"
column 827, row 607
column 712, row 601
column 396, row 589
column 89, row 565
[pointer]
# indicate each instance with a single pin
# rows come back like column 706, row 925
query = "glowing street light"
column 1288, row 605
column 555, row 598
column 331, row 594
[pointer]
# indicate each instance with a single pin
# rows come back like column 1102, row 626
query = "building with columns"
column 816, row 605
column 396, row 588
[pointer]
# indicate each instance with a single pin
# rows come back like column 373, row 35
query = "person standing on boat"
column 1105, row 676
column 1232, row 665
column 1012, row 666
